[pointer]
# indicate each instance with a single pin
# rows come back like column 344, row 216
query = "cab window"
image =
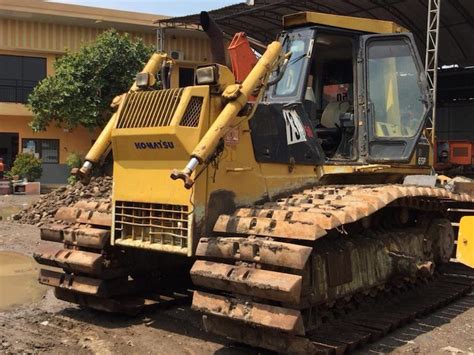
column 300, row 48
column 395, row 96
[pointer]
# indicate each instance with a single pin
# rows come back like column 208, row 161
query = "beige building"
column 33, row 34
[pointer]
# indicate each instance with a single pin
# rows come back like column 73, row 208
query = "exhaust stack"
column 216, row 38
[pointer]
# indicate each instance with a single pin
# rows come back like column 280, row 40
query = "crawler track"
column 357, row 323
column 274, row 275
column 85, row 269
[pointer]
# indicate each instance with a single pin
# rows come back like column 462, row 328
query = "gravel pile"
column 44, row 209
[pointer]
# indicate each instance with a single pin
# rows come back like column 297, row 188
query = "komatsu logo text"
column 154, row 145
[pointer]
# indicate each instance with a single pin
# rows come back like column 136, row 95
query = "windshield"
column 394, row 91
column 299, row 46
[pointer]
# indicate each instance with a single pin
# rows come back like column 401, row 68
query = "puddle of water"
column 18, row 280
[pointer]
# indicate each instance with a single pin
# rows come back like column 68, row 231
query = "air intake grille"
column 192, row 113
column 149, row 108
column 152, row 223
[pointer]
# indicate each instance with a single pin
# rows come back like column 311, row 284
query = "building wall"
column 194, row 47
column 33, row 36
column 47, row 40
column 52, row 37
column 77, row 140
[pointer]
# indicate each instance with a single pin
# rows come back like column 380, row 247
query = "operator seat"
column 329, row 131
column 332, row 112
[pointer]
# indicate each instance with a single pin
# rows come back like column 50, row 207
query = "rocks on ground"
column 45, row 208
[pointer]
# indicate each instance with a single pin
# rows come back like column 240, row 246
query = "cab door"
column 397, row 100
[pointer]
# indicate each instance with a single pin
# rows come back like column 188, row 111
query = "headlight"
column 206, row 75
column 142, row 80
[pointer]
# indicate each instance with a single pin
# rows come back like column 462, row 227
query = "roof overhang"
column 43, row 11
column 263, row 20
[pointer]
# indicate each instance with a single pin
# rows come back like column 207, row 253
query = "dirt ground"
column 52, row 326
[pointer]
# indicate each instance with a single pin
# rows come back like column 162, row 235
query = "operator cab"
column 345, row 95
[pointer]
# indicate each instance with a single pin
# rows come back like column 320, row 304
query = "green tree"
column 85, row 82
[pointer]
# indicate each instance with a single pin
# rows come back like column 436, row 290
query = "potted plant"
column 26, row 166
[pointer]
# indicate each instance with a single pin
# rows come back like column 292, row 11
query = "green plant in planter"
column 27, row 166
column 73, row 160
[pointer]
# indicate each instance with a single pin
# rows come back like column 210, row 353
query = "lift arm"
column 103, row 142
column 238, row 96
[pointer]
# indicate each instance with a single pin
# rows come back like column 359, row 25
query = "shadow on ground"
column 181, row 320
column 406, row 334
column 173, row 319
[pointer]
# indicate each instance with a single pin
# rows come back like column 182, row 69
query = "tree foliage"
column 85, row 82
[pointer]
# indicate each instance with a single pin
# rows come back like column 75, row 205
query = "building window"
column 45, row 149
column 18, row 77
column 186, row 77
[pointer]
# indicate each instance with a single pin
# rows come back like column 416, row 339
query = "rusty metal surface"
column 348, row 331
column 87, row 237
column 310, row 214
column 52, row 233
column 79, row 284
column 279, row 318
column 401, row 234
column 255, row 250
column 76, row 235
column 247, row 281
column 261, row 337
column 77, row 261
column 79, row 215
column 268, row 227
column 91, row 272
column 87, row 272
column 87, row 285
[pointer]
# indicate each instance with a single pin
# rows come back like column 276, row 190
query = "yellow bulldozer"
column 282, row 197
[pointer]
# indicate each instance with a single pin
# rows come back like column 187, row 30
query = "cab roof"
column 345, row 22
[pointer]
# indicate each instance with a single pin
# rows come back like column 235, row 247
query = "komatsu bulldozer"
column 298, row 189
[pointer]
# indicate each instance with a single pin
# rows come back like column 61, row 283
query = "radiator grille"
column 193, row 112
column 152, row 223
column 149, row 108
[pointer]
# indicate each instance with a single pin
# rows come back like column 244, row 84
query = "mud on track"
column 53, row 326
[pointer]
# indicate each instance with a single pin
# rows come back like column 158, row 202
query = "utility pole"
column 431, row 60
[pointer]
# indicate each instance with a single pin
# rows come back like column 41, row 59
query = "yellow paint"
column 242, row 92
column 345, row 22
column 143, row 162
column 465, row 247
column 143, row 175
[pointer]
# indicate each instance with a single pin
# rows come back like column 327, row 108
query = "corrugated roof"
column 262, row 21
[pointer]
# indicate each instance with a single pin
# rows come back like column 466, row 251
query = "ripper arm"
column 238, row 96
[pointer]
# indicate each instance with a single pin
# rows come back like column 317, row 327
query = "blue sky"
column 161, row 7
